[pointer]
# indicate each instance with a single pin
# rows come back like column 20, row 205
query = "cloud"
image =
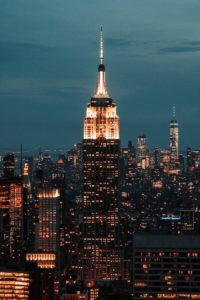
column 116, row 42
column 39, row 88
column 11, row 51
column 192, row 43
column 180, row 49
column 183, row 47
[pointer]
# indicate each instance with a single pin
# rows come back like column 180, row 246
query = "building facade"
column 14, row 285
column 101, row 149
column 166, row 266
column 48, row 228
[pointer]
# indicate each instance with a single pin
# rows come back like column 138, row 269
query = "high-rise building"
column 11, row 219
column 74, row 159
column 14, row 284
column 48, row 228
column 16, row 219
column 101, row 149
column 47, row 249
column 4, row 220
column 166, row 266
column 165, row 160
column 9, row 165
column 142, row 153
column 174, row 137
column 193, row 160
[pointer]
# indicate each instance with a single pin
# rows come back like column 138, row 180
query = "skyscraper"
column 9, row 165
column 48, row 230
column 47, row 255
column 101, row 147
column 174, row 136
column 4, row 219
column 11, row 212
column 142, row 152
column 16, row 219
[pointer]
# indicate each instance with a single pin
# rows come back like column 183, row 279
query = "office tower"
column 141, row 146
column 128, row 165
column 74, row 159
column 166, row 266
column 189, row 160
column 9, row 165
column 154, row 158
column 174, row 137
column 28, row 212
column 11, row 212
column 45, row 268
column 47, row 249
column 11, row 219
column 16, row 219
column 4, row 220
column 101, row 147
column 48, row 227
column 142, row 154
column 193, row 160
column 26, row 177
column 59, row 174
column 14, row 284
column 127, row 205
column 44, row 171
column 165, row 160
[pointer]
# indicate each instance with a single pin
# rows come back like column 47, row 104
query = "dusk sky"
column 48, row 68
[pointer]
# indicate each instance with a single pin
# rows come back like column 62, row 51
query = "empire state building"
column 100, row 257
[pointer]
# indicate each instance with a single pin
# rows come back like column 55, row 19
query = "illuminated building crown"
column 101, row 119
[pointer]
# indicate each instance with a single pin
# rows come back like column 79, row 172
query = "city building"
column 11, row 219
column 46, row 270
column 4, row 219
column 166, row 266
column 99, row 258
column 48, row 227
column 14, row 284
column 16, row 219
column 193, row 160
column 78, row 295
column 43, row 260
column 46, row 256
column 165, row 160
column 174, row 137
column 142, row 153
column 9, row 165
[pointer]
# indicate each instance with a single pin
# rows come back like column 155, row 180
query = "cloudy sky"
column 48, row 68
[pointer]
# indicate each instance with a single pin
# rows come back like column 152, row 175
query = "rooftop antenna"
column 101, row 47
column 174, row 111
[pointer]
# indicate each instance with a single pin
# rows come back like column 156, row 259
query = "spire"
column 174, row 111
column 101, row 91
column 101, row 47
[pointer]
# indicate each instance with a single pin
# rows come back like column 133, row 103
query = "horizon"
column 49, row 60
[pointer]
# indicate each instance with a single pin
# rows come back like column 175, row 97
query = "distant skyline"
column 49, row 54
